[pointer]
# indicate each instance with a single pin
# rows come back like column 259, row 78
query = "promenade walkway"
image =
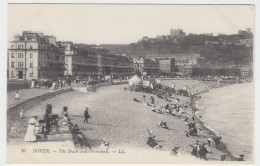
column 29, row 98
column 25, row 94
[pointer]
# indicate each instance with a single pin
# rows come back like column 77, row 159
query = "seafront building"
column 34, row 56
column 146, row 66
column 167, row 65
column 81, row 60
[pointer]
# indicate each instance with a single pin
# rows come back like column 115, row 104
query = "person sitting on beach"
column 143, row 99
column 191, row 125
column 174, row 151
column 151, row 133
column 223, row 157
column 241, row 158
column 211, row 142
column 193, row 131
column 166, row 105
column 185, row 119
column 203, row 152
column 152, row 100
column 104, row 145
column 195, row 149
column 65, row 120
column 163, row 124
column 154, row 109
column 180, row 112
column 217, row 139
column 159, row 111
column 136, row 100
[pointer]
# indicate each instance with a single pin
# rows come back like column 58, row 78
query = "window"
column 20, row 55
column 31, row 65
column 56, row 58
column 12, row 64
column 20, row 46
column 31, row 47
column 31, row 55
column 20, row 64
column 12, row 55
column 31, row 74
column 12, row 46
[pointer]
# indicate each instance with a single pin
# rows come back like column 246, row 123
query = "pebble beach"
column 124, row 122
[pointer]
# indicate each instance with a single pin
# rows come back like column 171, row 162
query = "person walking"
column 86, row 115
column 17, row 95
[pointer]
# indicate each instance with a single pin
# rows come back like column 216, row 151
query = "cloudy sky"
column 124, row 24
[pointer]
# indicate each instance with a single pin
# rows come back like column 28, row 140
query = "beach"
column 124, row 122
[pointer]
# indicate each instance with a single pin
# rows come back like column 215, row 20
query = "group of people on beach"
column 178, row 109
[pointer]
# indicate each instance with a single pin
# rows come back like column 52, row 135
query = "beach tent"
column 146, row 83
column 158, row 81
column 107, row 77
column 135, row 80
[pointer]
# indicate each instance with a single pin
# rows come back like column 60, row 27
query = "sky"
column 124, row 24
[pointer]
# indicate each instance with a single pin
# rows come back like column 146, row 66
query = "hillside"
column 214, row 49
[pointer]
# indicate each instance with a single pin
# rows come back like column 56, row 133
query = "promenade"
column 25, row 94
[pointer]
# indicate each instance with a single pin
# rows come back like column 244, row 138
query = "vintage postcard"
column 128, row 83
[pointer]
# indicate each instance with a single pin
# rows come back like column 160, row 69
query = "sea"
column 230, row 111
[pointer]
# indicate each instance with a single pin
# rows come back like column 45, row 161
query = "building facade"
column 32, row 56
column 146, row 66
column 177, row 33
column 167, row 65
column 80, row 60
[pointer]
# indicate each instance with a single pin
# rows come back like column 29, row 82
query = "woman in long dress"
column 30, row 134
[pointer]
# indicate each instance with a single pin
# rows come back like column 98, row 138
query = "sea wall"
column 92, row 88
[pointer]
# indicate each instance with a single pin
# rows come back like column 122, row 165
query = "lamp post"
column 25, row 49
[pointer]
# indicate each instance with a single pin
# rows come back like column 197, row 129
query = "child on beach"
column 65, row 110
column 17, row 95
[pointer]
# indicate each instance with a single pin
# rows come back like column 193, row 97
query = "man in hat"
column 86, row 115
column 47, row 117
